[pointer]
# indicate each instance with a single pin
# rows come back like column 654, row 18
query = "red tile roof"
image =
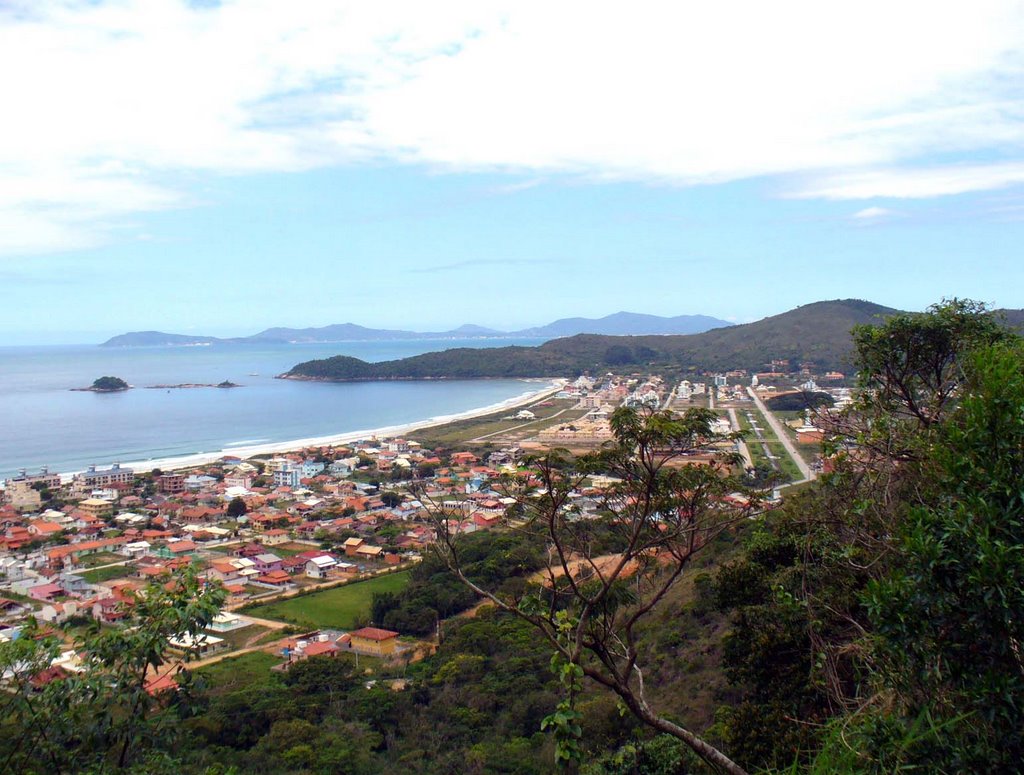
column 316, row 649
column 374, row 633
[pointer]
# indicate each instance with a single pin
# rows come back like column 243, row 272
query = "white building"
column 318, row 567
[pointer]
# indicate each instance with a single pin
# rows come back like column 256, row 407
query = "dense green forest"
column 870, row 624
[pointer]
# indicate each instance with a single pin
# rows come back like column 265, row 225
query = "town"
column 301, row 542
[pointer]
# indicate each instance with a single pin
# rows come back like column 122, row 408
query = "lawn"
column 289, row 549
column 100, row 575
column 242, row 671
column 101, row 558
column 338, row 608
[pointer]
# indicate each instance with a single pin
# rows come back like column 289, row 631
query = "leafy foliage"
column 799, row 401
column 104, row 717
column 876, row 615
column 663, row 510
column 948, row 617
column 109, row 384
column 491, row 559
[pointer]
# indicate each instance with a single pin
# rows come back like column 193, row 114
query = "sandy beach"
column 190, row 461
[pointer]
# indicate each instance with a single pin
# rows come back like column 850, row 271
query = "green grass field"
column 100, row 575
column 101, row 558
column 245, row 670
column 339, row 607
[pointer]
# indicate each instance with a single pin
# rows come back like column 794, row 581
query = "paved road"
column 741, row 444
column 780, row 433
column 668, row 401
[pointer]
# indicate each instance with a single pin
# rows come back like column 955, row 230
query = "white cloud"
column 102, row 100
column 874, row 214
column 917, row 183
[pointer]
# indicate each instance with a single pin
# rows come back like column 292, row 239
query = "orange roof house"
column 43, row 528
column 275, row 577
column 373, row 640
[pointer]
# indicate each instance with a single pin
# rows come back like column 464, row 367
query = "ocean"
column 44, row 423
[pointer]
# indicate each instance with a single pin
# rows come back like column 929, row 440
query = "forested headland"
column 816, row 333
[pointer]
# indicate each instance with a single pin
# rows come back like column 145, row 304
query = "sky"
column 222, row 167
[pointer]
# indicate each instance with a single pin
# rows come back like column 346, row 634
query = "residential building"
column 94, row 478
column 288, row 475
column 96, row 507
column 373, row 640
column 171, row 484
column 318, row 567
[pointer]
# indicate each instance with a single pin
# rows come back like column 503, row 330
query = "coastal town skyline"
column 220, row 167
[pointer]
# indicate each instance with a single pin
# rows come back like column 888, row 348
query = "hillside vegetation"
column 819, row 333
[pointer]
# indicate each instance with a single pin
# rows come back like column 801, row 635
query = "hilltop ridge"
column 817, row 333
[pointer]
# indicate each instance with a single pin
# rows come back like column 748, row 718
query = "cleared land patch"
column 99, row 575
column 239, row 672
column 339, row 607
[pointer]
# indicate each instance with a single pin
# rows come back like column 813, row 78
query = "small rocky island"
column 116, row 385
column 183, row 385
column 106, row 385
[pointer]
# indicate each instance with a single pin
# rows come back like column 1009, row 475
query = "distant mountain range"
column 619, row 324
column 818, row 333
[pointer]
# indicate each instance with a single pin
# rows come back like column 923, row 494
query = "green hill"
column 817, row 333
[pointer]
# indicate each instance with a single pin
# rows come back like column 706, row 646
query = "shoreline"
column 179, row 462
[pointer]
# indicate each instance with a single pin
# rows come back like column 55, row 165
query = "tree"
column 106, row 716
column 391, row 499
column 237, row 508
column 109, row 384
column 911, row 368
column 591, row 606
column 872, row 612
column 949, row 615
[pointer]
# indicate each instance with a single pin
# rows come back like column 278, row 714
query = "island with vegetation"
column 106, row 385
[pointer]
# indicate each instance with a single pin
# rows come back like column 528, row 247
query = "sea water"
column 44, row 423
